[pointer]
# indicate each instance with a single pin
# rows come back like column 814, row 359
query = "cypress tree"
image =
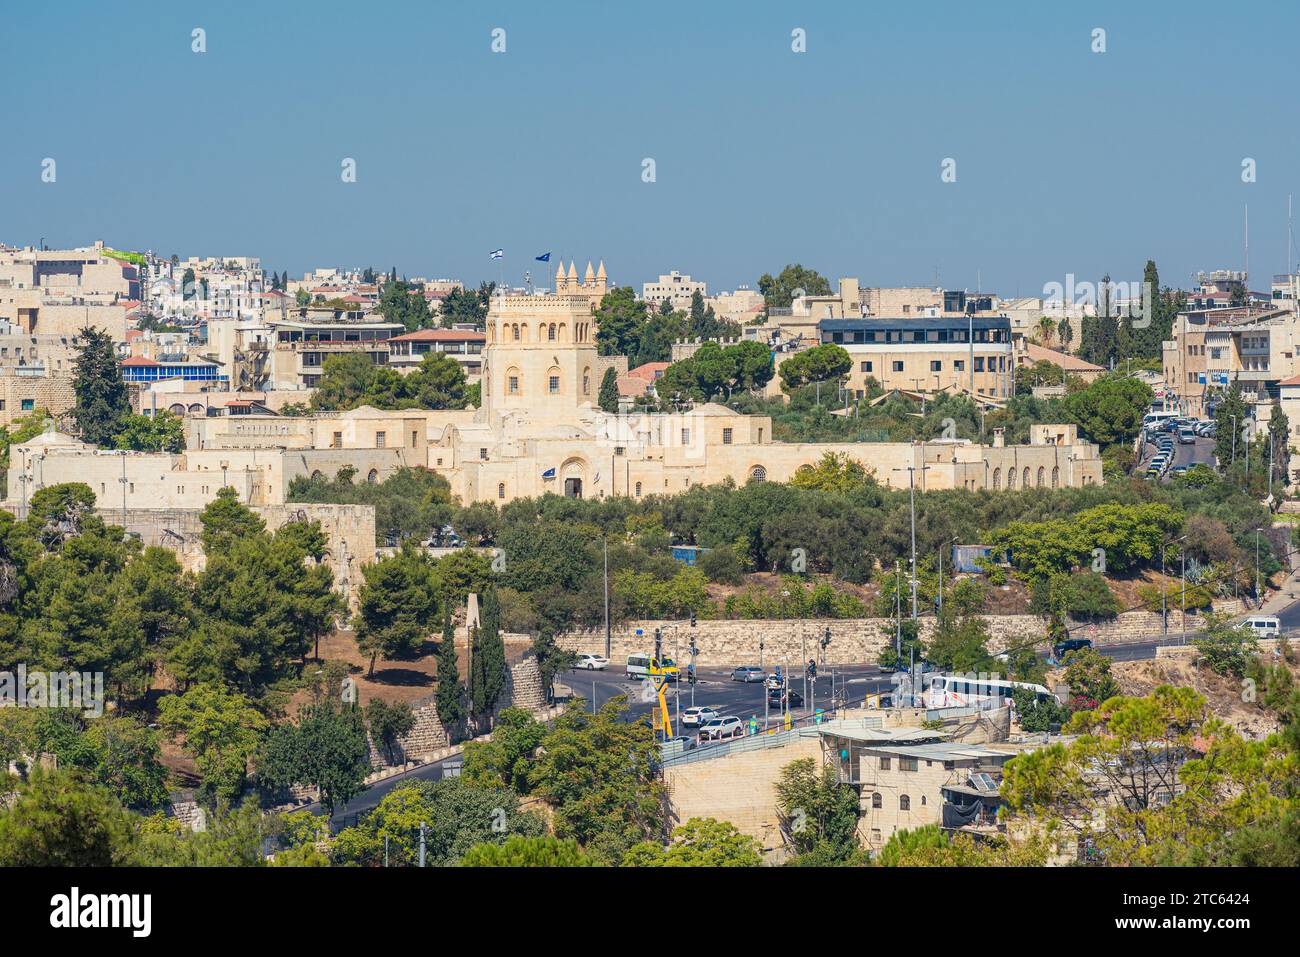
column 608, row 399
column 450, row 699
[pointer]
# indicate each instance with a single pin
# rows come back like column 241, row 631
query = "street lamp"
column 911, row 471
column 1258, row 601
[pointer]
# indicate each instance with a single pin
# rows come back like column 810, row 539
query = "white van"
column 1263, row 626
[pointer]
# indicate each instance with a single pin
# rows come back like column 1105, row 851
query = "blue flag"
column 543, row 258
column 498, row 253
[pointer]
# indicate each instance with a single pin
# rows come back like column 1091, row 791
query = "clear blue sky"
column 1067, row 160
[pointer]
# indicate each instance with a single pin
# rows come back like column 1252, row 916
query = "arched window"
column 515, row 329
column 373, row 477
column 514, row 382
column 904, row 803
column 1042, row 476
column 1026, row 481
column 877, row 802
column 1056, row 476
column 1011, row 477
column 638, row 489
column 997, row 478
column 316, row 475
column 553, row 381
column 586, row 381
column 550, row 333
column 501, row 490
column 758, row 473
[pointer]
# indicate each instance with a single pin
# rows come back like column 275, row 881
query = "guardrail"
column 806, row 727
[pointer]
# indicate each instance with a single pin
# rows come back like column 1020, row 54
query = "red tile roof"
column 138, row 361
column 650, row 370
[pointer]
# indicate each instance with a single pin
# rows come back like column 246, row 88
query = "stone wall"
column 853, row 640
column 523, row 690
column 349, row 531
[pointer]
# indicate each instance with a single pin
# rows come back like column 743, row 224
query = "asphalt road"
column 715, row 689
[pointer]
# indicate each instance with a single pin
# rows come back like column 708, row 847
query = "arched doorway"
column 572, row 474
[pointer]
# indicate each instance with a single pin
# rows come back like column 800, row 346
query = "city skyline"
column 762, row 155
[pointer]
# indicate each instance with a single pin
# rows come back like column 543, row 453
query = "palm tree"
column 1045, row 328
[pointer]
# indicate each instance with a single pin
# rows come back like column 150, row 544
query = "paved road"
column 713, row 688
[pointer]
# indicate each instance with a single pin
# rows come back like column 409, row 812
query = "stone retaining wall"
column 853, row 640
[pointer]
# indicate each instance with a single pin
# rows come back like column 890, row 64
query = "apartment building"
column 297, row 347
column 674, row 287
column 408, row 350
column 1210, row 349
column 927, row 355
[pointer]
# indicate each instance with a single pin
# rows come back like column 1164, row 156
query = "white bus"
column 964, row 691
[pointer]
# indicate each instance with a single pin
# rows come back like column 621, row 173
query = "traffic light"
column 826, row 637
column 692, row 617
column 658, row 644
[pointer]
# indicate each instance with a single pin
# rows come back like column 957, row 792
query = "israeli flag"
column 543, row 258
column 498, row 254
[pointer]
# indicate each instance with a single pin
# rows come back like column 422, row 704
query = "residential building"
column 407, row 351
column 676, row 288
column 927, row 355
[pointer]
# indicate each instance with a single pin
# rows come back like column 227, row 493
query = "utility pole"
column 1182, row 577
column 422, row 826
column 607, row 633
column 898, row 608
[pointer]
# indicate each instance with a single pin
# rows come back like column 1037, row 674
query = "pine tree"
column 102, row 401
column 608, row 399
column 450, row 699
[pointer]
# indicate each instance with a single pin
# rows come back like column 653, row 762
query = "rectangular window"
column 415, row 435
column 979, row 363
column 554, row 384
column 884, row 764
column 866, row 366
column 482, row 454
column 686, row 437
column 907, row 764
column 726, row 436
column 28, row 405
column 338, row 440
column 513, row 386
column 936, row 365
column 381, row 440
column 959, row 365
column 898, row 365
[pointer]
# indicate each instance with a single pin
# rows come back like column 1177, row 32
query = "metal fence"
column 807, row 727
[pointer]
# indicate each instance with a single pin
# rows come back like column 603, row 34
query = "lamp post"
column 1258, row 601
column 911, row 471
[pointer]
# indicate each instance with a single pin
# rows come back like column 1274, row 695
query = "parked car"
column 590, row 662
column 1063, row 648
column 720, row 728
column 695, row 717
column 748, row 673
column 788, row 699
column 1179, row 471
column 686, row 741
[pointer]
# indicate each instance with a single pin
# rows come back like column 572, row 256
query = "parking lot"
column 1184, row 455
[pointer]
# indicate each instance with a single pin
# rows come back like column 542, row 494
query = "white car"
column 719, row 728
column 589, row 662
column 698, row 716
